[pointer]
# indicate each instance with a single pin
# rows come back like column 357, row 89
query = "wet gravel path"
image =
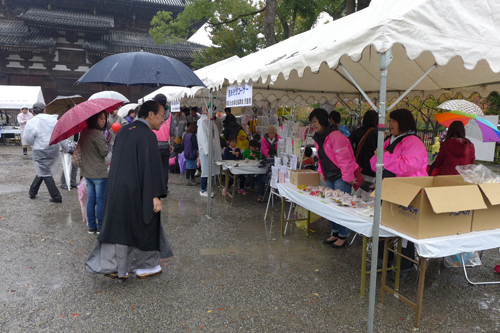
column 231, row 273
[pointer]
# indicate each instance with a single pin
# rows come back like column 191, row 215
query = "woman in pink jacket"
column 405, row 155
column 336, row 165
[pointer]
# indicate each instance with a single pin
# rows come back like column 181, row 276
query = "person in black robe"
column 132, row 236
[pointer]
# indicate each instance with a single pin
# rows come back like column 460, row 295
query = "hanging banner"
column 239, row 95
column 175, row 106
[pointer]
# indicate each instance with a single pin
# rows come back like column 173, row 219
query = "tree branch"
column 238, row 17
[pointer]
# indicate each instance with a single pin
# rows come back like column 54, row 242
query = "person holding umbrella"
column 37, row 133
column 94, row 150
column 132, row 236
column 22, row 119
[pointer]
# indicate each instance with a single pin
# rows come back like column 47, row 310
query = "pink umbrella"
column 75, row 120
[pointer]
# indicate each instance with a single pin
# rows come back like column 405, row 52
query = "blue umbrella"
column 141, row 69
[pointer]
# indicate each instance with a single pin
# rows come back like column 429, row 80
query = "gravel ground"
column 229, row 273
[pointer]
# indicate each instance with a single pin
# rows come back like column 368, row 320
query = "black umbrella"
column 141, row 69
column 61, row 104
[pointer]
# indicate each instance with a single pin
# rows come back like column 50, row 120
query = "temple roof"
column 174, row 3
column 40, row 17
column 123, row 41
column 15, row 35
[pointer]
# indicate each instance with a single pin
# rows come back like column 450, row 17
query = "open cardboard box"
column 424, row 207
column 304, row 177
column 484, row 219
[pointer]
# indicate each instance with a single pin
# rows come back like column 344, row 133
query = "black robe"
column 135, row 178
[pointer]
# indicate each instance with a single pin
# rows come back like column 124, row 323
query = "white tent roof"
column 460, row 36
column 16, row 97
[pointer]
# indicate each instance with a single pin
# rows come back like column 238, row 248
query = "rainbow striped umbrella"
column 476, row 126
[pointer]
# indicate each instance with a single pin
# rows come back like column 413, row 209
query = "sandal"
column 150, row 273
column 115, row 276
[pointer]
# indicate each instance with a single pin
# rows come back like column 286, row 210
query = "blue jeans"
column 97, row 191
column 339, row 184
column 261, row 183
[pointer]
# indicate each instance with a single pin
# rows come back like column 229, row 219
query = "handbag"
column 76, row 158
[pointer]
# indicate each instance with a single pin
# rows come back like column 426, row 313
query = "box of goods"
column 486, row 219
column 304, row 177
column 483, row 219
column 425, row 207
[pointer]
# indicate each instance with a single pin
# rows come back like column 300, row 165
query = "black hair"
column 230, row 118
column 405, row 119
column 370, row 119
column 92, row 121
column 195, row 109
column 253, row 143
column 232, row 138
column 160, row 99
column 131, row 111
column 146, row 107
column 456, row 130
column 257, row 137
column 321, row 115
column 227, row 110
column 308, row 151
column 335, row 116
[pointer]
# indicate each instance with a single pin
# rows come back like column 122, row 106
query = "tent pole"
column 210, row 152
column 411, row 88
column 359, row 88
column 385, row 60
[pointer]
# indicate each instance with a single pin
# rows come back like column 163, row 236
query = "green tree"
column 239, row 27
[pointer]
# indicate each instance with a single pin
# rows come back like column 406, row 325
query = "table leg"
column 384, row 269
column 282, row 217
column 308, row 221
column 363, row 266
column 420, row 292
column 234, row 189
column 398, row 264
column 226, row 183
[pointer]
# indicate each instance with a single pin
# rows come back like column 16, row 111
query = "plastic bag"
column 301, row 213
column 477, row 174
column 471, row 259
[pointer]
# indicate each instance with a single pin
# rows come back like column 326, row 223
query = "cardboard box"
column 486, row 219
column 424, row 207
column 483, row 219
column 304, row 177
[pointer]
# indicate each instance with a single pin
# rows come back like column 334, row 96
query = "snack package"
column 477, row 174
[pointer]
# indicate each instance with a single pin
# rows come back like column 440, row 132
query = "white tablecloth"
column 330, row 210
column 436, row 247
column 241, row 167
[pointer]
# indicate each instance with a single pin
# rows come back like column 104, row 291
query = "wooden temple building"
column 51, row 43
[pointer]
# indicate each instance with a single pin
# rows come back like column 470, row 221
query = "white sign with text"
column 175, row 107
column 239, row 95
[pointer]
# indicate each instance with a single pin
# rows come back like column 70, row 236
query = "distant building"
column 51, row 43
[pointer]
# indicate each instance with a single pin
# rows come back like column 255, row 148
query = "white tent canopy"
column 213, row 76
column 16, row 97
column 459, row 36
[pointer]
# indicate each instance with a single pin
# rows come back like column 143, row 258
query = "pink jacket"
column 265, row 146
column 163, row 134
column 409, row 158
column 338, row 148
